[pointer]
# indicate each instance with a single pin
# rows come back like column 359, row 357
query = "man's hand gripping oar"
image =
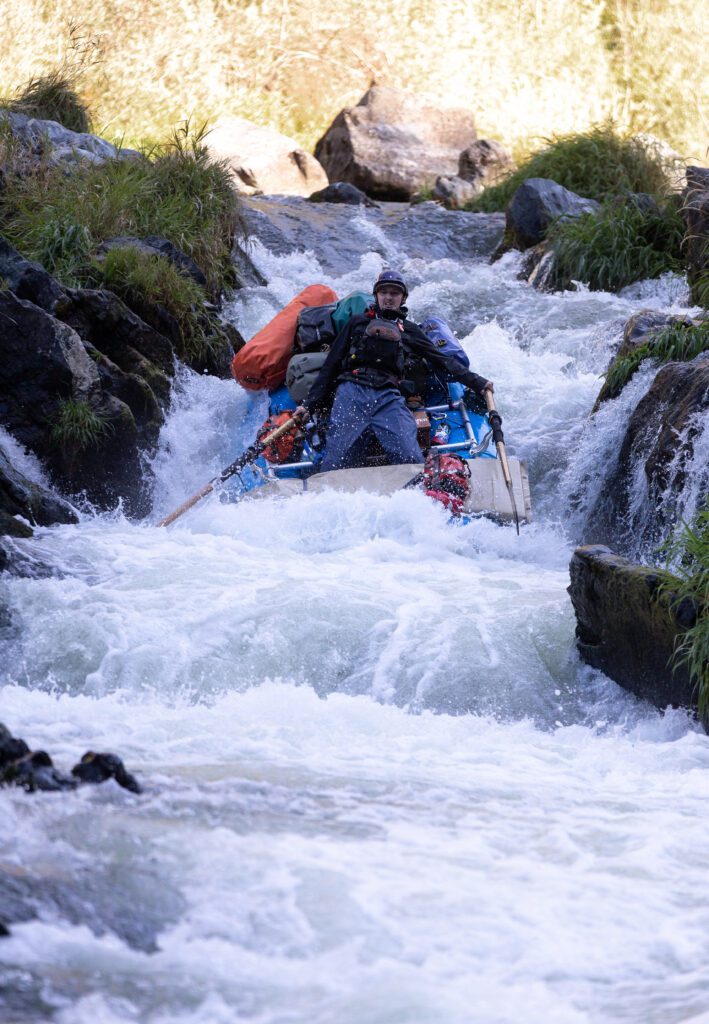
column 250, row 455
column 497, row 436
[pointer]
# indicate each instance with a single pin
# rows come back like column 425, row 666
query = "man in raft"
column 363, row 371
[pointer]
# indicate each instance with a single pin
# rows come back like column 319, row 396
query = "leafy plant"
column 680, row 341
column 618, row 244
column 594, row 164
column 77, row 426
column 687, row 578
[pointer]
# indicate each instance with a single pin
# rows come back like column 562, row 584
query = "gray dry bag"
column 302, row 372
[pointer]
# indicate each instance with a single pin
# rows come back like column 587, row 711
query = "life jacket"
column 376, row 354
column 283, row 448
column 447, row 479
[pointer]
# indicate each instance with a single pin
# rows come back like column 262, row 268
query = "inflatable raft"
column 450, row 420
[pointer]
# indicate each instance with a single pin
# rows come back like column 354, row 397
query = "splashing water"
column 381, row 789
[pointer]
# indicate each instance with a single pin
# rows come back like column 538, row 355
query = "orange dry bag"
column 263, row 361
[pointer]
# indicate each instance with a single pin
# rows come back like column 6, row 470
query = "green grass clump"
column 140, row 278
column 594, row 164
column 53, row 97
column 688, row 556
column 77, row 426
column 679, row 342
column 618, row 244
column 176, row 191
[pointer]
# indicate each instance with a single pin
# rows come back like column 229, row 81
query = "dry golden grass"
column 527, row 68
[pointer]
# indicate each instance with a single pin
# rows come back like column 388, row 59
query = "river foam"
column 380, row 786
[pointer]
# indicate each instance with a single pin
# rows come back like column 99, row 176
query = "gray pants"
column 359, row 410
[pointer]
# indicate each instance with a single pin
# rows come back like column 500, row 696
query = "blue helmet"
column 392, row 278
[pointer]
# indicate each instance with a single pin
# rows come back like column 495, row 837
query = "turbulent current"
column 380, row 787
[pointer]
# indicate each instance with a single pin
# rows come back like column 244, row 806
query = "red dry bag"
column 263, row 361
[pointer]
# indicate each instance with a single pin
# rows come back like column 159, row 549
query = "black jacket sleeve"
column 418, row 343
column 321, row 392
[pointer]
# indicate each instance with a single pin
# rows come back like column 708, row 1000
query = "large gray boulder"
column 51, row 141
column 28, row 279
column 627, row 629
column 392, row 145
column 536, row 205
column 262, row 160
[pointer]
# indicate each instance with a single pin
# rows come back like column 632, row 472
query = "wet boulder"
column 393, row 145
column 695, row 210
column 11, row 748
column 535, row 206
column 484, row 163
column 36, row 771
column 627, row 628
column 96, row 768
column 20, row 496
column 262, row 160
column 342, row 192
column 656, row 461
column 52, row 401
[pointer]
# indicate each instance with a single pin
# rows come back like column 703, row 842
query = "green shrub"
column 140, row 278
column 680, row 342
column 688, row 557
column 176, row 191
column 618, row 244
column 77, row 426
column 53, row 97
column 594, row 164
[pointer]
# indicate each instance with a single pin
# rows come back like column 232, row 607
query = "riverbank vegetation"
column 623, row 242
column 678, row 342
column 596, row 164
column 173, row 190
column 524, row 67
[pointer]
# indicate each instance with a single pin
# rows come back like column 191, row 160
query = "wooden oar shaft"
column 249, row 455
column 502, row 455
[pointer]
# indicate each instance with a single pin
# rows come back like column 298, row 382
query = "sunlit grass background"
column 526, row 68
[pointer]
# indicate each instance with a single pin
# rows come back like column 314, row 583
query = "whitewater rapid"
column 380, row 786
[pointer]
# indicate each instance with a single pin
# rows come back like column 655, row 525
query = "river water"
column 380, row 786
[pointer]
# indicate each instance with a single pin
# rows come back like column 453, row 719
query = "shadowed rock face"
column 391, row 145
column 624, row 630
column 659, row 438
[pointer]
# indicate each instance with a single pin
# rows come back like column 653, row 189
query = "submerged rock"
column 392, row 145
column 22, row 497
column 97, row 768
column 342, row 192
column 626, row 629
column 35, row 770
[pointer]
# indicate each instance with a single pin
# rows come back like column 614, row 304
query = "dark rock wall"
column 625, row 629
